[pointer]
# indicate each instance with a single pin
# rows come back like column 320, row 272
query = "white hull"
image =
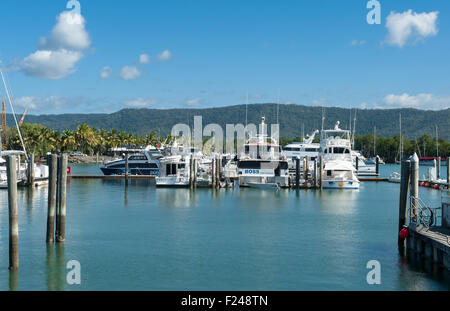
column 263, row 186
column 340, row 184
column 172, row 182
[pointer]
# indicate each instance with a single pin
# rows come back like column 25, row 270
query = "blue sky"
column 212, row 52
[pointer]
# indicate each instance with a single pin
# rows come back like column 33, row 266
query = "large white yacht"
column 304, row 149
column 261, row 163
column 339, row 172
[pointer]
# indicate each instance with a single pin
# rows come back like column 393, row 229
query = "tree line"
column 40, row 140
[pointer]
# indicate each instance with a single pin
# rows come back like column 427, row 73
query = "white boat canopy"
column 11, row 152
column 339, row 166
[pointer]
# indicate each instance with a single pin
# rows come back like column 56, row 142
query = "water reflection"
column 176, row 197
column 13, row 280
column 56, row 272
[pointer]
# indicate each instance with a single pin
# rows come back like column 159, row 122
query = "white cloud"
column 58, row 54
column 106, row 72
column 165, row 55
column 140, row 103
column 52, row 65
column 38, row 104
column 195, row 102
column 144, row 58
column 357, row 42
column 403, row 26
column 420, row 101
column 130, row 73
column 68, row 33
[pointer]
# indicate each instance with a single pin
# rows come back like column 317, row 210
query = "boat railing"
column 425, row 215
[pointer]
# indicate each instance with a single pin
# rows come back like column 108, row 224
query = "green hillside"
column 140, row 121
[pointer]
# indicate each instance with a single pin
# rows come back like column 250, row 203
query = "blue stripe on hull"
column 121, row 171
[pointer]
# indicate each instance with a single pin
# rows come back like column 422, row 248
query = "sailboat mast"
column 14, row 113
column 354, row 130
column 437, row 143
column 401, row 144
column 374, row 141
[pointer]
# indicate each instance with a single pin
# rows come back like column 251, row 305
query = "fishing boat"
column 339, row 171
column 143, row 163
column 262, row 161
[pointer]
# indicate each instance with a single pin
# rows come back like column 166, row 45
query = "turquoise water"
column 142, row 238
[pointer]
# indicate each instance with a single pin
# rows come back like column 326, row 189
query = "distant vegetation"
column 416, row 123
column 39, row 140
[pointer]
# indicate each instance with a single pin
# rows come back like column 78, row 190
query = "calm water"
column 142, row 238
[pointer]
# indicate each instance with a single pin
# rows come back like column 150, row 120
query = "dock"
column 425, row 228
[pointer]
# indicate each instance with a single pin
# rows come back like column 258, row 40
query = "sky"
column 110, row 55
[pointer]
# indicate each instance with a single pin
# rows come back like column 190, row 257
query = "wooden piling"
column 321, row 171
column 414, row 180
column 315, row 173
column 448, row 171
column 403, row 202
column 13, row 213
column 306, row 168
column 213, row 173
column 297, row 173
column 52, row 178
column 218, row 172
column 191, row 169
column 195, row 172
column 357, row 165
column 126, row 167
column 62, row 188
column 438, row 168
column 58, row 197
column 30, row 171
column 377, row 165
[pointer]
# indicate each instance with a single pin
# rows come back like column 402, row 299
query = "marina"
column 175, row 235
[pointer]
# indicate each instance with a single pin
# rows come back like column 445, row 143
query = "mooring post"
column 448, row 172
column 357, row 165
column 377, row 165
column 297, row 173
column 403, row 202
column 321, row 171
column 61, row 237
column 306, row 168
column 414, row 197
column 13, row 213
column 438, row 168
column 52, row 178
column 58, row 197
column 195, row 172
column 191, row 169
column 213, row 173
column 30, row 171
column 218, row 172
column 126, row 167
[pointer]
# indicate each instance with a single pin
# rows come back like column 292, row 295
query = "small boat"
column 21, row 176
column 174, row 171
column 394, row 177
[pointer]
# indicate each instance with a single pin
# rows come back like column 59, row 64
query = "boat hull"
column 121, row 171
column 340, row 184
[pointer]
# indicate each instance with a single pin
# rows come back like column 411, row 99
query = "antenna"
column 323, row 120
